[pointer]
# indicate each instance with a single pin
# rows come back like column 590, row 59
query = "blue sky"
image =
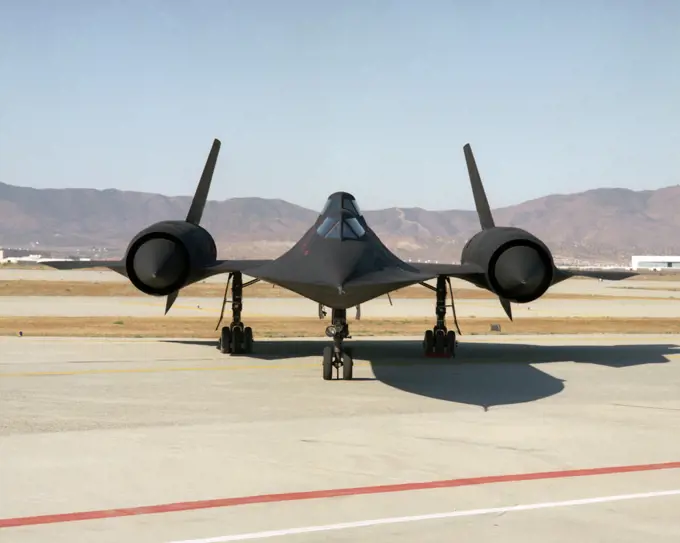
column 373, row 97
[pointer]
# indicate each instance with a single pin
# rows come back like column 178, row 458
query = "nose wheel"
column 336, row 356
column 342, row 361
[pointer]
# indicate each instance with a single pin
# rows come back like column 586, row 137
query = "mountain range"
column 604, row 225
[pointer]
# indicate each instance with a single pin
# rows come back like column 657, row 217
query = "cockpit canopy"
column 341, row 201
column 341, row 220
column 336, row 228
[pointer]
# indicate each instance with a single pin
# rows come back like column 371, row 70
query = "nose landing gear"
column 336, row 356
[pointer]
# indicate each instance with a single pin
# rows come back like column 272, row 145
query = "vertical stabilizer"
column 203, row 188
column 481, row 203
column 198, row 203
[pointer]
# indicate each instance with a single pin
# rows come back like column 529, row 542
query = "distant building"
column 6, row 252
column 15, row 256
column 656, row 262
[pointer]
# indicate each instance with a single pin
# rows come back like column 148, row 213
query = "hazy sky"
column 373, row 97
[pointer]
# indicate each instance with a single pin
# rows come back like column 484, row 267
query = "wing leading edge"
column 115, row 265
column 468, row 272
column 472, row 272
column 118, row 266
column 248, row 267
column 607, row 275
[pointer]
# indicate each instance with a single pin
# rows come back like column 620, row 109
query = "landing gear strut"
column 237, row 338
column 335, row 356
column 440, row 341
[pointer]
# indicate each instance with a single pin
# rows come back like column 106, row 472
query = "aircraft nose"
column 158, row 263
column 520, row 271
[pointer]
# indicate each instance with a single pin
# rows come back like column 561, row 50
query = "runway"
column 170, row 441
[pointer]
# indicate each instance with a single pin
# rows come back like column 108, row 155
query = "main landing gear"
column 237, row 338
column 440, row 341
column 336, row 356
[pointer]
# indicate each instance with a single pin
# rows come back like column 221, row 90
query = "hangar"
column 655, row 262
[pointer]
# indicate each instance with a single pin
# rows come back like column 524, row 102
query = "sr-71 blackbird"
column 339, row 263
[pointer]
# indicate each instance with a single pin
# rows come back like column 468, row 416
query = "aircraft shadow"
column 482, row 374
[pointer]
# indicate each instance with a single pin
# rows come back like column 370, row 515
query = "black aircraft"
column 339, row 263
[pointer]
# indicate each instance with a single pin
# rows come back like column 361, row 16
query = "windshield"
column 341, row 202
column 351, row 206
column 329, row 228
column 333, row 228
column 352, row 229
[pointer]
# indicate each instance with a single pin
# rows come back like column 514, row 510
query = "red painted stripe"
column 319, row 494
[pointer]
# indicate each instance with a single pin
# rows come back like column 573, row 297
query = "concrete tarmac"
column 106, row 425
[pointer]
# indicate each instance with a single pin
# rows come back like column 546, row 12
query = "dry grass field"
column 202, row 327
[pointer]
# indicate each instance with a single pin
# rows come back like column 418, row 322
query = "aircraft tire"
column 347, row 366
column 440, row 343
column 327, row 363
column 451, row 343
column 225, row 340
column 236, row 341
column 428, row 342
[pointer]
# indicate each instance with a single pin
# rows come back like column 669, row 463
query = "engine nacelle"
column 519, row 266
column 169, row 255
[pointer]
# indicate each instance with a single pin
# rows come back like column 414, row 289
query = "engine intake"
column 519, row 266
column 520, row 271
column 167, row 256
